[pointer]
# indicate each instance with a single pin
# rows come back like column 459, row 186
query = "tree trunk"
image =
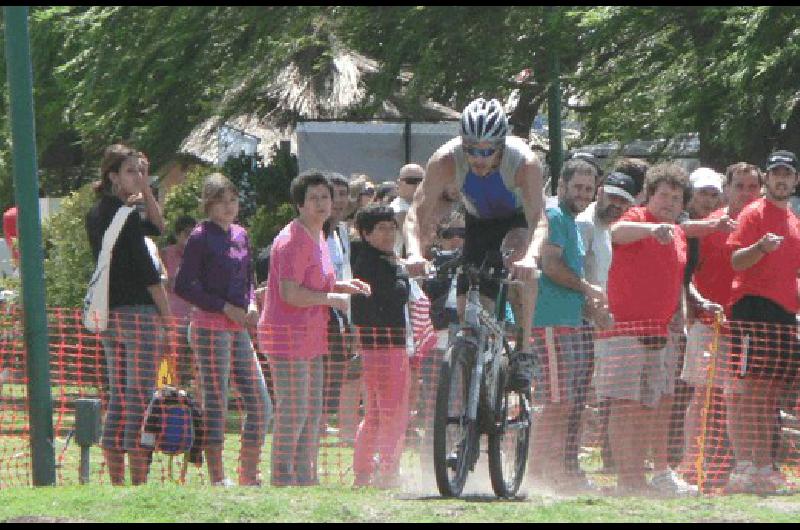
column 530, row 100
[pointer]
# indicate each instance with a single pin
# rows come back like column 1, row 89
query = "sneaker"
column 521, row 372
column 669, row 483
column 224, row 483
column 742, row 479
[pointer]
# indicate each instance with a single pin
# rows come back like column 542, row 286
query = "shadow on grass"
column 476, row 498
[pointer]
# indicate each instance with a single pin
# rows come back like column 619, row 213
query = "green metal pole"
column 26, row 190
column 554, row 103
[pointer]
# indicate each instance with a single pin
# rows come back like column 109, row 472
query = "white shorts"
column 696, row 361
column 626, row 369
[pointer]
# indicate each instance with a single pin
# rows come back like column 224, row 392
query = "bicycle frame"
column 487, row 334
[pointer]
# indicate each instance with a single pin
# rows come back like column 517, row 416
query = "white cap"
column 705, row 177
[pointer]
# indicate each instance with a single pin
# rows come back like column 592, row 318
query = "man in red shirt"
column 639, row 357
column 708, row 294
column 765, row 353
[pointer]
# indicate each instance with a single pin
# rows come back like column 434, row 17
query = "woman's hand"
column 340, row 301
column 237, row 314
column 252, row 316
column 354, row 286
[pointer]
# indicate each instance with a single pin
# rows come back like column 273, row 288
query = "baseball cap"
column 782, row 158
column 705, row 177
column 411, row 172
column 385, row 188
column 621, row 185
column 588, row 157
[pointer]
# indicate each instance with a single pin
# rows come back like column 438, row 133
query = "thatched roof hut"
column 299, row 92
column 302, row 90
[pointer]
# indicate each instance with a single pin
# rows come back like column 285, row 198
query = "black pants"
column 576, row 411
column 482, row 239
column 764, row 339
column 335, row 362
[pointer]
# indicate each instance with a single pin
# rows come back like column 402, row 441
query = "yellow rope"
column 711, row 372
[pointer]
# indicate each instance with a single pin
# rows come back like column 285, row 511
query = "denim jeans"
column 214, row 350
column 298, row 395
column 132, row 344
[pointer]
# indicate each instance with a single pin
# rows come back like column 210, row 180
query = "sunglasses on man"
column 482, row 153
column 412, row 180
column 450, row 233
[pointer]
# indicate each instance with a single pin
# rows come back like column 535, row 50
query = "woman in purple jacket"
column 216, row 276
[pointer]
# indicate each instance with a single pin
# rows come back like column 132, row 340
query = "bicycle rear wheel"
column 454, row 436
column 508, row 443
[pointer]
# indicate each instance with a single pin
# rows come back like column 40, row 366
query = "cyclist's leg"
column 523, row 298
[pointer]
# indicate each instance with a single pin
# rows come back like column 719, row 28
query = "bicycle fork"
column 473, row 401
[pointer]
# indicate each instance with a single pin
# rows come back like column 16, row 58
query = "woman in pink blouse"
column 292, row 329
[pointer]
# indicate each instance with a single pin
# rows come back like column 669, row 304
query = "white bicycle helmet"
column 484, row 121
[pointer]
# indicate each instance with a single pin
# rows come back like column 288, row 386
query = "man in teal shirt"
column 558, row 342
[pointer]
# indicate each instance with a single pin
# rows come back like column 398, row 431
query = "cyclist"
column 499, row 180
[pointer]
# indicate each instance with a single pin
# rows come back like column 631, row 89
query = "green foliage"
column 184, row 199
column 263, row 193
column 454, row 54
column 730, row 74
column 272, row 186
column 68, row 264
column 267, row 222
column 243, row 170
column 259, row 184
column 148, row 75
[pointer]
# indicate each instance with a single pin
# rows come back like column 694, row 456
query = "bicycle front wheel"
column 508, row 442
column 454, row 436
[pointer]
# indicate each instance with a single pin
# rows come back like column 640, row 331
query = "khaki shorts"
column 698, row 356
column 626, row 369
column 563, row 364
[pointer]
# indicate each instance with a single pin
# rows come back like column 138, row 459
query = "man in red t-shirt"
column 709, row 293
column 10, row 233
column 637, row 362
column 765, row 355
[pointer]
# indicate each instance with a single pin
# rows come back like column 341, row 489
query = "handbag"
column 173, row 422
column 95, row 303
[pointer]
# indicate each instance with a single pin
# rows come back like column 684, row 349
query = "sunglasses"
column 412, row 181
column 368, row 191
column 450, row 233
column 483, row 153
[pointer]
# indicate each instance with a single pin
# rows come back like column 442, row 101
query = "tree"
column 454, row 55
column 728, row 73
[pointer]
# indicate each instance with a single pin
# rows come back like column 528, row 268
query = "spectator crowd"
column 666, row 304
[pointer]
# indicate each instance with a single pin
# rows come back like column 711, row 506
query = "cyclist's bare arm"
column 432, row 199
column 529, row 181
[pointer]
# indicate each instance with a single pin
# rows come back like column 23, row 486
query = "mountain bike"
column 472, row 397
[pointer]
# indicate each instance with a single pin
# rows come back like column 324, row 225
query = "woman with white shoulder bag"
column 135, row 312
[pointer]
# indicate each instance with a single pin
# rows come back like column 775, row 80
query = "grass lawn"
column 161, row 500
column 336, row 501
column 172, row 503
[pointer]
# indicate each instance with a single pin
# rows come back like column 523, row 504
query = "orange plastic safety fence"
column 642, row 409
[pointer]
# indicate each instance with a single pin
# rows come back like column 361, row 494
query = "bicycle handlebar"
column 477, row 274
